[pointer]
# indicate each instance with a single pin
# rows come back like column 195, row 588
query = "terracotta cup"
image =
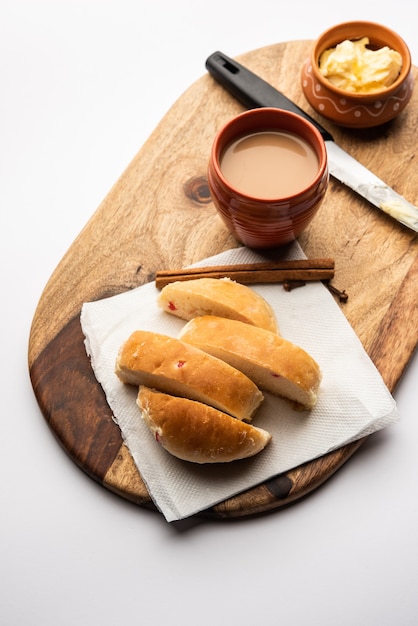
column 265, row 222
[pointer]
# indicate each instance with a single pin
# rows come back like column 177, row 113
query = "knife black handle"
column 251, row 90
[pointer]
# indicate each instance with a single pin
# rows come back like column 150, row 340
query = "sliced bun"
column 274, row 364
column 217, row 296
column 177, row 368
column 195, row 432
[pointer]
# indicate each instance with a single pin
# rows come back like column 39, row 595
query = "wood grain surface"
column 159, row 216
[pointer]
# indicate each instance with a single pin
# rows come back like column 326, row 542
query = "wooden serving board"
column 159, row 216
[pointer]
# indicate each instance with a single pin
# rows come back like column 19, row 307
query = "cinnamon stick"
column 252, row 273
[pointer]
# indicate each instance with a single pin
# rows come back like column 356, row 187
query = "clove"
column 288, row 285
column 341, row 295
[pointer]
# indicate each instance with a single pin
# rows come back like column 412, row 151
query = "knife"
column 254, row 92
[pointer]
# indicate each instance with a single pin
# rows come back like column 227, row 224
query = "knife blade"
column 254, row 92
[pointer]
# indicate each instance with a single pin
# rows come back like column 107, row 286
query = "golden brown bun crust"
column 217, row 296
column 273, row 363
column 195, row 432
column 174, row 367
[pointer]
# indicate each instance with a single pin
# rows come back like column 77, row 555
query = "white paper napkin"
column 353, row 399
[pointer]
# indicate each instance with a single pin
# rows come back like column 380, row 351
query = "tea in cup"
column 267, row 175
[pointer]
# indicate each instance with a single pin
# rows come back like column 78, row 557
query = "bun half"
column 273, row 363
column 217, row 296
column 196, row 432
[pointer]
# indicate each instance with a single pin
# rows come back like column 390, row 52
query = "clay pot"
column 356, row 110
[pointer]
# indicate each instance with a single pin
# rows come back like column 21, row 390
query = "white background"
column 83, row 84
